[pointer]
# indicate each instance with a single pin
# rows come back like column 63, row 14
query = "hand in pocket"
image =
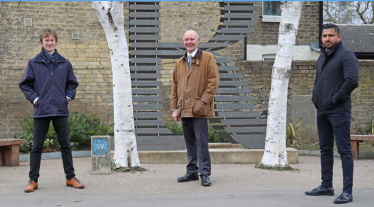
column 200, row 108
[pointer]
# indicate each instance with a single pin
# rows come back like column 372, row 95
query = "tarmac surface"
column 232, row 185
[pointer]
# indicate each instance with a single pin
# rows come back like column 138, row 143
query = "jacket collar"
column 39, row 58
column 333, row 49
column 198, row 54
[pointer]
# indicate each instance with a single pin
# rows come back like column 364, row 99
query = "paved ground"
column 232, row 185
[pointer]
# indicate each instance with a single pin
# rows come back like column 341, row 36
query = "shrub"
column 176, row 129
column 369, row 128
column 213, row 135
column 27, row 136
column 81, row 128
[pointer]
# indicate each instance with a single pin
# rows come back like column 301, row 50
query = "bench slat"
column 9, row 142
column 361, row 137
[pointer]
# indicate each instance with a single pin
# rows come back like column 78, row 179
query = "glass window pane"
column 271, row 8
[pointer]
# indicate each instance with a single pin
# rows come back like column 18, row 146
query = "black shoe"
column 205, row 181
column 344, row 198
column 189, row 177
column 320, row 191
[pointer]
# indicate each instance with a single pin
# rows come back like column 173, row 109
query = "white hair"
column 197, row 35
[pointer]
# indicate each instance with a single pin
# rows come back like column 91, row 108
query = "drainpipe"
column 320, row 23
column 245, row 48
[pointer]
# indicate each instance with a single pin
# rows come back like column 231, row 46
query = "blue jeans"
column 329, row 125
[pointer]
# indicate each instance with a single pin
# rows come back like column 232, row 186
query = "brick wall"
column 176, row 18
column 90, row 58
column 258, row 76
column 266, row 33
column 88, row 55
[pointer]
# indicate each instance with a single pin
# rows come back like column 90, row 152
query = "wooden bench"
column 355, row 140
column 9, row 151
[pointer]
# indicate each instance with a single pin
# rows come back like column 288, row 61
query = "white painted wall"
column 300, row 52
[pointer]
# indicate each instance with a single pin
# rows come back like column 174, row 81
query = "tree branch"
column 326, row 3
column 361, row 14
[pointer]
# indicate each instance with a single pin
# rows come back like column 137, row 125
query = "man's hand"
column 175, row 116
column 35, row 102
column 68, row 99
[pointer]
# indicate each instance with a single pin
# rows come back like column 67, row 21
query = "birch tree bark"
column 275, row 154
column 111, row 17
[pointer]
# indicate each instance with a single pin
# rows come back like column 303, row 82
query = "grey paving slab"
column 232, row 185
column 364, row 198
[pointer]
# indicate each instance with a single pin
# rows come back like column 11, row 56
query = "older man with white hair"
column 195, row 81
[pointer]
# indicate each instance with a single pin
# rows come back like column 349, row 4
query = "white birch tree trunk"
column 110, row 14
column 275, row 154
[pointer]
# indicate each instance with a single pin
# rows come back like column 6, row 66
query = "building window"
column 271, row 11
column 268, row 56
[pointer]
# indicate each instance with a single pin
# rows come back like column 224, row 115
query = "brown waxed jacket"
column 193, row 89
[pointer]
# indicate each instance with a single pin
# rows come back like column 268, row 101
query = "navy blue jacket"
column 51, row 84
column 336, row 78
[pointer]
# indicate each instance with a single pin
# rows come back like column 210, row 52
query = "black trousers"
column 196, row 138
column 338, row 125
column 61, row 126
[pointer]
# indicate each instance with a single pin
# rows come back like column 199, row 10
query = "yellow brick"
column 69, row 46
column 82, row 46
column 94, row 46
column 91, row 55
column 91, row 59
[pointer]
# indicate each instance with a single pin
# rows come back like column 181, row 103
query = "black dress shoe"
column 344, row 198
column 320, row 191
column 189, row 177
column 205, row 181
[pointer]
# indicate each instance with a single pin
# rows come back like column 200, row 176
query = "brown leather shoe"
column 31, row 186
column 74, row 182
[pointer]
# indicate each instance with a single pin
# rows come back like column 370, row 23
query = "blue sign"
column 100, row 146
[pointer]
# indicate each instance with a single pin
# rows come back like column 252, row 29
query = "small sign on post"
column 100, row 155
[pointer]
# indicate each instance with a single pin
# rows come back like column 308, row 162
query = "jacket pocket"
column 62, row 106
column 39, row 108
column 327, row 100
column 338, row 98
column 200, row 109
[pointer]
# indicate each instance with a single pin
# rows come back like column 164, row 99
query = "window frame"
column 269, row 18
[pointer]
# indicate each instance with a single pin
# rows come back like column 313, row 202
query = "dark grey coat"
column 336, row 78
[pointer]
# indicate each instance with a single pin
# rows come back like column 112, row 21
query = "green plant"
column 176, row 129
column 27, row 136
column 50, row 145
column 369, row 128
column 82, row 127
column 213, row 135
column 293, row 130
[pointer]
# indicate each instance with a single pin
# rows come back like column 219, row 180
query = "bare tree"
column 348, row 12
column 275, row 154
column 110, row 14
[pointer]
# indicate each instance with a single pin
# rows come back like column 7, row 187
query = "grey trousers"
column 196, row 138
